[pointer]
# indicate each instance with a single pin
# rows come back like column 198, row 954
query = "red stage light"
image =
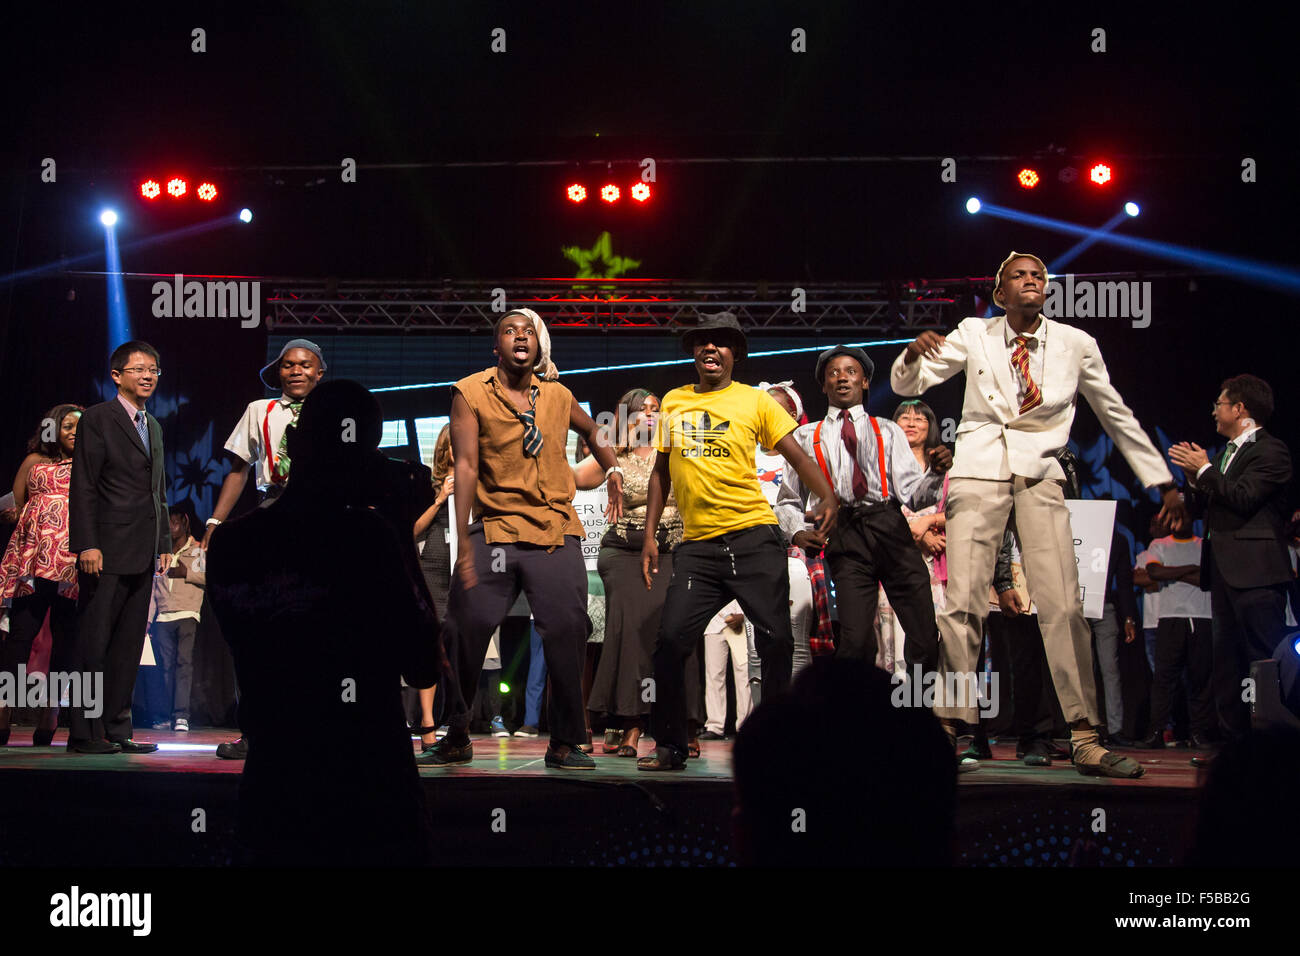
column 1028, row 177
column 576, row 192
column 1100, row 174
column 176, row 187
column 150, row 189
column 640, row 192
column 207, row 192
column 610, row 193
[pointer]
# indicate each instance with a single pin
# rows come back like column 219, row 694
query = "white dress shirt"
column 908, row 483
column 1036, row 343
column 1246, row 435
column 247, row 441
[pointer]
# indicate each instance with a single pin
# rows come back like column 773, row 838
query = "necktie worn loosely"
column 850, row 436
column 1227, row 453
column 142, row 429
column 1020, row 359
column 532, row 434
column 281, row 470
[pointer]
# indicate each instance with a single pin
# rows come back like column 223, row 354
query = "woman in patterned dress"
column 433, row 528
column 38, row 575
column 921, row 427
column 631, row 612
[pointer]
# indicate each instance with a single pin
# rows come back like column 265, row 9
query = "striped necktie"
column 532, row 434
column 142, row 429
column 1020, row 359
column 280, row 471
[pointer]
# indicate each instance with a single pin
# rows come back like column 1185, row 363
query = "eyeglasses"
column 1218, row 403
column 155, row 371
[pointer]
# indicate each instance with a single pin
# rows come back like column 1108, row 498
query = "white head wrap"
column 544, row 367
column 788, row 388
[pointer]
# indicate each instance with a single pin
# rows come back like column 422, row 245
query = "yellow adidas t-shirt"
column 710, row 438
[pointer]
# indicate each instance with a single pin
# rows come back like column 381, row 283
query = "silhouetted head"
column 803, row 800
column 1247, row 807
column 336, row 434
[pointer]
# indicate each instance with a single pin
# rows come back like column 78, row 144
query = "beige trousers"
column 977, row 513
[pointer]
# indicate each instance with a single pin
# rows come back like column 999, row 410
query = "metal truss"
column 606, row 305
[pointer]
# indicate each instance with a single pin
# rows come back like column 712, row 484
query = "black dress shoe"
column 1201, row 742
column 710, row 735
column 1203, row 760
column 1037, row 752
column 129, row 746
column 1153, row 741
column 233, row 750
column 93, row 747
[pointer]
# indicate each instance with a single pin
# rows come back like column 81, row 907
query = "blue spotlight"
column 245, row 215
column 1131, row 208
column 1277, row 276
column 108, row 217
column 972, row 205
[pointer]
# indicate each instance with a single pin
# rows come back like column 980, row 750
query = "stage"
column 177, row 807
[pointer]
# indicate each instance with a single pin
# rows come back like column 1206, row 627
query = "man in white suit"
column 1023, row 376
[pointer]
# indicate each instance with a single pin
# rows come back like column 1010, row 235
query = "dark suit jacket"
column 116, row 498
column 1245, row 514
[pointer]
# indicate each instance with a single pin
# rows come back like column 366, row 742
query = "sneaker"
column 445, row 754
column 162, row 725
column 498, row 727
column 575, row 759
column 181, row 725
column 527, row 730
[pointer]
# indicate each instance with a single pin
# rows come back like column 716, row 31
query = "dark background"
column 826, row 169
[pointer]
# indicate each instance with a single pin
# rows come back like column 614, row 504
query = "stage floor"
column 195, row 752
column 139, row 810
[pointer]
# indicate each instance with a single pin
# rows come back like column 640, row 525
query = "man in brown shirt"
column 508, row 431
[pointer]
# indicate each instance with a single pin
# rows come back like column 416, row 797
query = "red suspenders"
column 880, row 456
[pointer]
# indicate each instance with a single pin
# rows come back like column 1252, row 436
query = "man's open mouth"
column 710, row 361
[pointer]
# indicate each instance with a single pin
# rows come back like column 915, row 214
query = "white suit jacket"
column 994, row 440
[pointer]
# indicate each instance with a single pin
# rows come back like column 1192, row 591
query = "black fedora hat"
column 719, row 321
column 852, row 352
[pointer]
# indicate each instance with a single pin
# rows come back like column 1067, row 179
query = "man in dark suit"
column 119, row 531
column 1244, row 562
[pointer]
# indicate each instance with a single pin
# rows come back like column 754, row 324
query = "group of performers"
column 688, row 520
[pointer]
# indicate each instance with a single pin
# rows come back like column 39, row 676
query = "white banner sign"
column 1093, row 524
column 590, row 506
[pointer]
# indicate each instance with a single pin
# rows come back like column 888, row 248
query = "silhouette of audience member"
column 830, row 811
column 323, row 615
column 1248, row 803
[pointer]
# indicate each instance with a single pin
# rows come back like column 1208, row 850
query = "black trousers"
column 873, row 546
column 1035, row 707
column 1184, row 642
column 556, row 585
column 173, row 648
column 25, row 619
column 749, row 566
column 1248, row 623
column 112, row 617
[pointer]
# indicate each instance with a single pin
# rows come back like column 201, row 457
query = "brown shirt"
column 522, row 499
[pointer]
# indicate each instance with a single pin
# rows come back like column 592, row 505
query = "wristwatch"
column 211, row 521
